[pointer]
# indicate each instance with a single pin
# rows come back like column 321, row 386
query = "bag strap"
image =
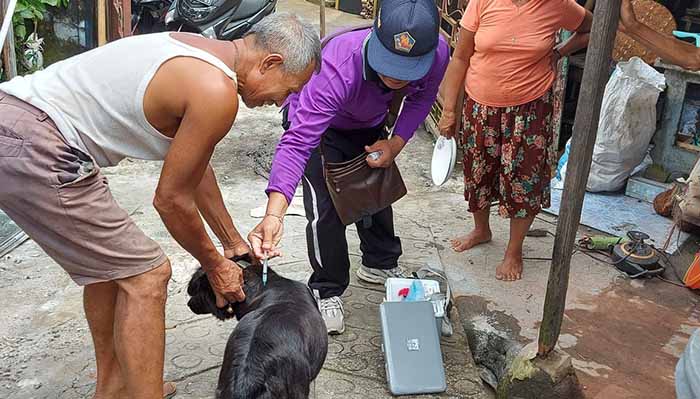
column 339, row 32
column 394, row 109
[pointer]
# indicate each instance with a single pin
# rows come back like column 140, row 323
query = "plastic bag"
column 627, row 124
column 558, row 180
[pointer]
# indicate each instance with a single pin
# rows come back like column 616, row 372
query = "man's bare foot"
column 169, row 390
column 461, row 244
column 511, row 269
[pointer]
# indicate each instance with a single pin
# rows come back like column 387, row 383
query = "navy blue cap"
column 404, row 39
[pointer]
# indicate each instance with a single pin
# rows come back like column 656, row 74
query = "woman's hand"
column 388, row 150
column 266, row 236
column 447, row 124
column 555, row 57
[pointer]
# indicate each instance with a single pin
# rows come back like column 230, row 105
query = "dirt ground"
column 45, row 347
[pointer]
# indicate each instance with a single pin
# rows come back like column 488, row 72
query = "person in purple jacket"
column 345, row 105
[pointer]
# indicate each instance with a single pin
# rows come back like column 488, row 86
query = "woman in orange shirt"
column 505, row 61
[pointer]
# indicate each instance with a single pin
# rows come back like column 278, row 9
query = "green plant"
column 28, row 13
column 25, row 21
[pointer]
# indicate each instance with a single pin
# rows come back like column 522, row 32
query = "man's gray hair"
column 290, row 36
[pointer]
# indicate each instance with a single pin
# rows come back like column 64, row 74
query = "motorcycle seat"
column 248, row 8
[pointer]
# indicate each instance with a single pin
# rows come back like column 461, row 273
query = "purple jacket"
column 346, row 95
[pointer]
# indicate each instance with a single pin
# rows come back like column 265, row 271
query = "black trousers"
column 325, row 234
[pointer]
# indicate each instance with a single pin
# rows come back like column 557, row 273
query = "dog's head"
column 203, row 301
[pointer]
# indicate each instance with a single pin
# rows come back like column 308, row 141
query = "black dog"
column 280, row 343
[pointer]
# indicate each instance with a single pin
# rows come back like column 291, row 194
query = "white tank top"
column 96, row 98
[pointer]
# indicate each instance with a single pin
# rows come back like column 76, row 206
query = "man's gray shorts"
column 59, row 197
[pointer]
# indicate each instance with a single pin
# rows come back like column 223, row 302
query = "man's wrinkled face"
column 270, row 84
column 392, row 83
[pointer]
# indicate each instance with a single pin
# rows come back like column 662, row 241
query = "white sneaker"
column 332, row 313
column 378, row 276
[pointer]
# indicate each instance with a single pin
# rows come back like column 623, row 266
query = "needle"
column 264, row 276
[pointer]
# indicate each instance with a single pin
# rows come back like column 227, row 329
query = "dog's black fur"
column 280, row 343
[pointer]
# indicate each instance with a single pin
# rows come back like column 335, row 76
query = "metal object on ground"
column 637, row 258
column 644, row 189
column 11, row 236
column 653, row 15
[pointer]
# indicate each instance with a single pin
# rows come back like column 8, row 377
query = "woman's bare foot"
column 511, row 269
column 471, row 240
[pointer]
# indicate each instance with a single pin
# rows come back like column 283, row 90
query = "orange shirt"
column 513, row 46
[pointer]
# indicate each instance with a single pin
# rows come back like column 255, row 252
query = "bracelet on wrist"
column 280, row 218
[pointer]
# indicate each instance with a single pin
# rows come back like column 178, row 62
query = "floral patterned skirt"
column 508, row 156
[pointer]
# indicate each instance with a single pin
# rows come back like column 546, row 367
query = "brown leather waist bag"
column 359, row 191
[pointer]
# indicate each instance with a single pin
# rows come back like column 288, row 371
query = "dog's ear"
column 198, row 305
column 202, row 299
column 198, row 283
column 246, row 260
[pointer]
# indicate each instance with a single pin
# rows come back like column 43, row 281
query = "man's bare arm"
column 203, row 124
column 211, row 205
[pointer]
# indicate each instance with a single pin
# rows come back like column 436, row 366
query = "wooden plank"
column 9, row 58
column 687, row 146
column 101, row 22
column 595, row 76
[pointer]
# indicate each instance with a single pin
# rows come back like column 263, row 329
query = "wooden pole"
column 126, row 15
column 9, row 58
column 322, row 16
column 115, row 19
column 595, row 76
column 101, row 22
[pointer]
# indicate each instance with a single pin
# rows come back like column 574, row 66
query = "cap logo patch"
column 404, row 42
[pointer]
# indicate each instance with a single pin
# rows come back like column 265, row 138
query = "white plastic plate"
column 444, row 158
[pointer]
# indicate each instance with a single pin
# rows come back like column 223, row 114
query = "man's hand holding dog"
column 226, row 280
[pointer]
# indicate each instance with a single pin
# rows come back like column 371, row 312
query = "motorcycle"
column 217, row 19
column 148, row 16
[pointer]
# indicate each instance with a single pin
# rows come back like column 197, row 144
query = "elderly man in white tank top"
column 166, row 96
